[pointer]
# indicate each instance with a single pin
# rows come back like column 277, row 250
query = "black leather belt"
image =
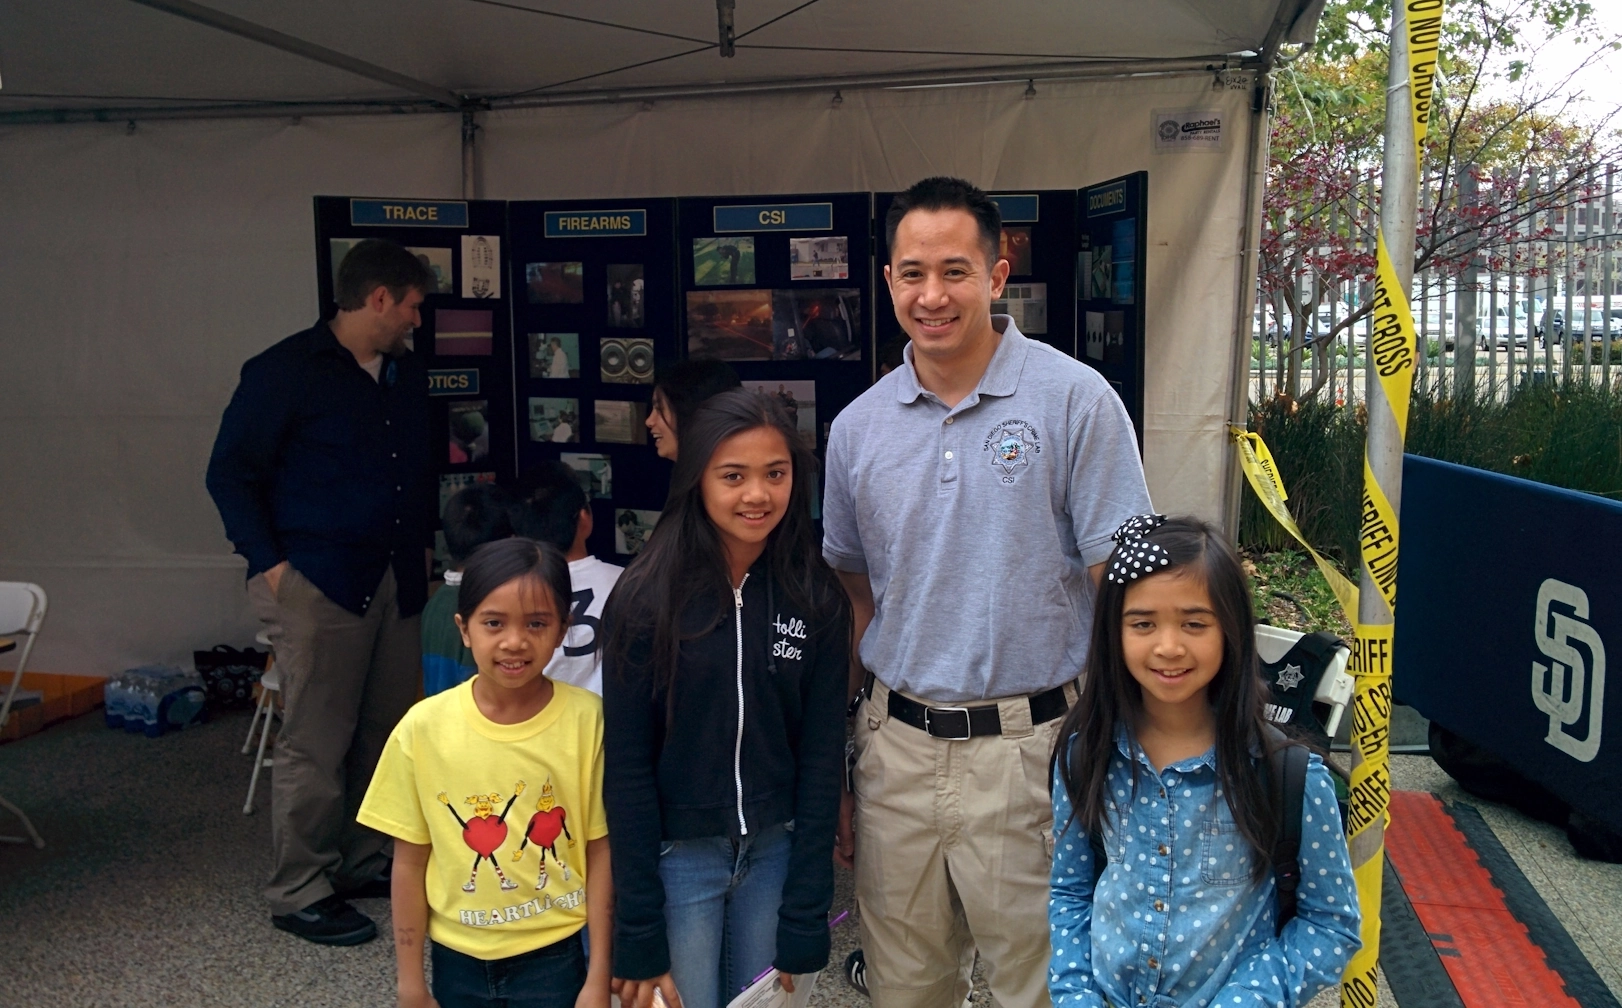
column 959, row 723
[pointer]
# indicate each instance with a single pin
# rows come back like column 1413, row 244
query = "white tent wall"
column 142, row 270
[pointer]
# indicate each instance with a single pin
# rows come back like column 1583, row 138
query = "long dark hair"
column 683, row 562
column 1111, row 697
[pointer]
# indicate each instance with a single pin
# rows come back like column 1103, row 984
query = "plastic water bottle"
column 115, row 695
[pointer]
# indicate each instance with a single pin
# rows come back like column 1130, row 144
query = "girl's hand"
column 639, row 993
column 592, row 995
column 786, row 981
column 418, row 997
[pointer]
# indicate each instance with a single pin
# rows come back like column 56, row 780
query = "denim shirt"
column 1175, row 918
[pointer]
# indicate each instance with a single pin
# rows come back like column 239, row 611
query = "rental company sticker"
column 1182, row 130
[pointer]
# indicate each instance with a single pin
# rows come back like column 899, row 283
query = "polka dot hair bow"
column 1133, row 556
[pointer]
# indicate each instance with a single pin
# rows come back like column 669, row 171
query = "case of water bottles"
column 153, row 699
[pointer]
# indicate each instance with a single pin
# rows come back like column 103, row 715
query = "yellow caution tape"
column 1257, row 464
column 1393, row 347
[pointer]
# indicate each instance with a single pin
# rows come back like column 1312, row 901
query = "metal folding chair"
column 270, row 691
column 22, row 612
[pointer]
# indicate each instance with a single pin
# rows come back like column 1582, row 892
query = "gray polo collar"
column 1002, row 374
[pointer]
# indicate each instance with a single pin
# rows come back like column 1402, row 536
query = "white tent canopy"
column 145, row 263
column 493, row 54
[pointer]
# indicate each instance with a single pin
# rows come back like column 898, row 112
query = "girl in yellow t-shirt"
column 493, row 793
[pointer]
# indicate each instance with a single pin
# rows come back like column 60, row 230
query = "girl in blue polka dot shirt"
column 1161, row 760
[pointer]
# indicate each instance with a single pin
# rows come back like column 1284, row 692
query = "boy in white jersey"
column 555, row 510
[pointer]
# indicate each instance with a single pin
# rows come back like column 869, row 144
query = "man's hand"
column 639, row 993
column 845, row 836
column 273, row 577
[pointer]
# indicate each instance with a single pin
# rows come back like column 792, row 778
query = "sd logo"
column 1573, row 680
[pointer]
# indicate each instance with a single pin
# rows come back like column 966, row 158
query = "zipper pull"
column 737, row 598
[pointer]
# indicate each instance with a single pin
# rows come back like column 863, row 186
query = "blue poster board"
column 1509, row 596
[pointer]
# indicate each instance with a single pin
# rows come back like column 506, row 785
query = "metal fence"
column 1522, row 288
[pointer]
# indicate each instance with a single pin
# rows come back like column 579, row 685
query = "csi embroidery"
column 1011, row 445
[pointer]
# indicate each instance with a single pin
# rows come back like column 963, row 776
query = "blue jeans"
column 721, row 901
column 549, row 977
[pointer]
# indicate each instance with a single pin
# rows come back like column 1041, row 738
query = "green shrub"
column 1563, row 435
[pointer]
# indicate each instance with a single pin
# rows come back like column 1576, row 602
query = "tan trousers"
column 954, row 845
column 346, row 682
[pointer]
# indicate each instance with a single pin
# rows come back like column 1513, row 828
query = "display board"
column 552, row 316
column 1111, row 245
column 465, row 338
column 594, row 311
column 781, row 288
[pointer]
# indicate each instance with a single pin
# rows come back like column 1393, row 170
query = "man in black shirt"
column 322, row 476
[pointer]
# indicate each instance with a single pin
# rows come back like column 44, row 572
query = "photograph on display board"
column 1103, row 275
column 625, row 288
column 1015, row 246
column 462, row 332
column 1124, row 261
column 1027, row 303
column 817, row 324
column 438, row 262
column 730, row 324
column 555, row 282
column 594, row 473
column 554, row 355
column 481, row 266
column 718, row 261
column 338, row 248
column 554, row 419
column 799, row 398
column 450, row 483
column 819, row 258
column 621, row 422
column 470, row 431
column 626, row 360
column 632, row 528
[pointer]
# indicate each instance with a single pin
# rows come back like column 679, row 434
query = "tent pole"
column 1249, row 266
column 470, row 156
column 1399, row 196
column 299, row 47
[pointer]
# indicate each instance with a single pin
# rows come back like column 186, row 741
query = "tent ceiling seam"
column 253, row 32
column 1089, row 70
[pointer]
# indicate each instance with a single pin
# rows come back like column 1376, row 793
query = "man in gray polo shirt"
column 970, row 499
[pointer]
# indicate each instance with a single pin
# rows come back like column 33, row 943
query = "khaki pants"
column 954, row 845
column 346, row 681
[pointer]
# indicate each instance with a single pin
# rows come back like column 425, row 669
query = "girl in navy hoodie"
column 725, row 670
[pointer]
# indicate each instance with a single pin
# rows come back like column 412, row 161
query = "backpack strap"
column 1287, row 777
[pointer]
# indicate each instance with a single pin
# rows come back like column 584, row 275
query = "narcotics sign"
column 453, row 381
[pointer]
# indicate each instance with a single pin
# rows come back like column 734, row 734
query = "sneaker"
column 330, row 921
column 856, row 971
column 379, row 886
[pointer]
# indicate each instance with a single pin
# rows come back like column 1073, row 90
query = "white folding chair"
column 270, row 688
column 22, row 612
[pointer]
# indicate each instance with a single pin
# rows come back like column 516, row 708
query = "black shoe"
column 330, row 921
column 856, row 971
column 379, row 886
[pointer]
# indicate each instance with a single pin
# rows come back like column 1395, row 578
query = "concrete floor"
column 147, row 891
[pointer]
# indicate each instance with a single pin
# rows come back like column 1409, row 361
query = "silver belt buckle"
column 967, row 728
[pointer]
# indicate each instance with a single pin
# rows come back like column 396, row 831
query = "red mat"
column 1487, row 952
